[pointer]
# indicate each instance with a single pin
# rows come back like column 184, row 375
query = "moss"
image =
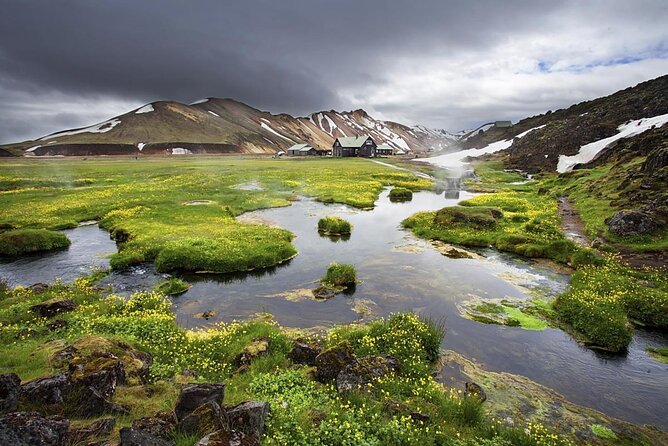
column 401, row 194
column 173, row 286
column 480, row 216
column 27, row 241
column 334, row 226
column 603, row 432
column 659, row 353
column 340, row 275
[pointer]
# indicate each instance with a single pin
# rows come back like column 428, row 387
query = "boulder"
column 228, row 438
column 304, row 353
column 137, row 437
column 162, row 424
column 32, row 428
column 102, row 371
column 208, row 417
column 88, row 402
column 46, row 391
column 473, row 389
column 258, row 347
column 99, row 428
column 10, row 388
column 52, row 307
column 631, row 223
column 361, row 372
column 331, row 361
column 195, row 395
column 655, row 161
column 58, row 324
column 38, row 287
column 249, row 418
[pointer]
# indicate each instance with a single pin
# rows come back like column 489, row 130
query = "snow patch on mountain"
column 102, row 127
column 148, row 108
column 589, row 151
column 214, row 114
column 265, row 126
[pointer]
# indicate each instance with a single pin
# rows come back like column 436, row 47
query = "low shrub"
column 26, row 241
column 401, row 194
column 340, row 275
column 334, row 226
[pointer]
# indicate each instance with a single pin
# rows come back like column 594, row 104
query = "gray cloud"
column 445, row 64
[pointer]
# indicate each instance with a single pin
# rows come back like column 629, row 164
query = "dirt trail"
column 571, row 223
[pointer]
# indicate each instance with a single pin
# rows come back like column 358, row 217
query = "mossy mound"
column 26, row 241
column 480, row 216
column 173, row 286
column 401, row 194
column 334, row 226
column 340, row 275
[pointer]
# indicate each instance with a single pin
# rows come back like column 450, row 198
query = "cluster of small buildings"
column 358, row 146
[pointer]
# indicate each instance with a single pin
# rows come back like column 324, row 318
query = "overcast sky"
column 444, row 64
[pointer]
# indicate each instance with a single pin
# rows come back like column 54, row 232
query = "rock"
column 206, row 418
column 420, row 417
column 88, row 402
column 325, row 292
column 51, row 390
column 102, row 372
column 137, row 437
column 31, row 428
column 52, row 307
column 249, row 418
column 543, row 191
column 10, row 388
column 655, row 161
column 331, row 361
column 358, row 374
column 228, row 438
column 258, row 347
column 162, row 424
column 631, row 223
column 99, row 428
column 38, row 287
column 473, row 389
column 195, row 395
column 304, row 353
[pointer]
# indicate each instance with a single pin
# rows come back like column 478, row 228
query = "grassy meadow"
column 180, row 212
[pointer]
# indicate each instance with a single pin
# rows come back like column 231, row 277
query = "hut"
column 302, row 150
column 503, row 124
column 363, row 146
column 384, row 150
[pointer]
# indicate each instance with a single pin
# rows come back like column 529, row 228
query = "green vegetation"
column 334, row 226
column 505, row 313
column 388, row 411
column 143, row 204
column 173, row 287
column 659, row 353
column 401, row 194
column 603, row 432
column 27, row 241
column 340, row 275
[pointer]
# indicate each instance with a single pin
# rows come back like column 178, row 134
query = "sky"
column 444, row 64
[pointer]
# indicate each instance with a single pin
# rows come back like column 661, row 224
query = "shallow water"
column 398, row 272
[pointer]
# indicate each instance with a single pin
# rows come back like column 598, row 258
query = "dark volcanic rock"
column 56, row 325
column 330, row 362
column 473, row 389
column 137, row 437
column 38, row 287
column 258, row 347
column 228, row 438
column 54, row 306
column 249, row 418
column 10, row 388
column 655, row 161
column 31, row 429
column 304, row 353
column 363, row 371
column 51, row 390
column 631, row 223
column 195, row 395
column 162, row 424
column 102, row 373
column 206, row 418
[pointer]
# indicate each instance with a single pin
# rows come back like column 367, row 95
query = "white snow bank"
column 589, row 151
column 214, row 114
column 180, row 151
column 32, row 149
column 201, row 101
column 456, row 160
column 145, row 109
column 102, row 127
column 266, row 127
column 141, row 145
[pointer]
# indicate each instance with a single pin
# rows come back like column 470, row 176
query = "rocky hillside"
column 566, row 131
column 222, row 126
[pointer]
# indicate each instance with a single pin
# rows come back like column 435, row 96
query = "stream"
column 397, row 272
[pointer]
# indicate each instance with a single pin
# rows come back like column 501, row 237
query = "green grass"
column 659, row 353
column 401, row 194
column 340, row 275
column 603, row 432
column 173, row 286
column 27, row 241
column 144, row 204
column 334, row 226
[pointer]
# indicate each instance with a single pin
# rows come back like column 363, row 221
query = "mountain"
column 596, row 127
column 222, row 126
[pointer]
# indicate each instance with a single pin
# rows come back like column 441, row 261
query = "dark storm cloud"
column 70, row 63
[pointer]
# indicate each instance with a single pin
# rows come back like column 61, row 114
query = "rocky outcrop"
column 304, row 352
column 161, row 425
column 626, row 223
column 196, row 395
column 54, row 306
column 137, row 437
column 10, row 388
column 208, row 417
column 249, row 418
column 331, row 361
column 258, row 347
column 228, row 438
column 99, row 428
column 32, row 428
column 363, row 371
column 47, row 391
